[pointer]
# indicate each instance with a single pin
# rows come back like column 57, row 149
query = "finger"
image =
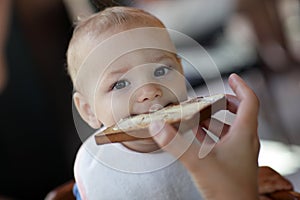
column 202, row 136
column 232, row 103
column 216, row 127
column 248, row 107
column 244, row 127
column 200, row 133
column 177, row 145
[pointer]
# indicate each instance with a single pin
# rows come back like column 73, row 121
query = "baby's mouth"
column 154, row 108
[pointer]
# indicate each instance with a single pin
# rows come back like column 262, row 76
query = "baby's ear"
column 85, row 110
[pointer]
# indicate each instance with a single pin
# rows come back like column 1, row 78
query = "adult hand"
column 229, row 170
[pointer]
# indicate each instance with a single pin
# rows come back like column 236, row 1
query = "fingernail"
column 155, row 127
column 232, row 77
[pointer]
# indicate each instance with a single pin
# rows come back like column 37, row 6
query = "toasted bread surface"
column 191, row 112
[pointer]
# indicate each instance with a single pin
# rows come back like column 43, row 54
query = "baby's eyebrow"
column 156, row 59
column 108, row 75
column 118, row 71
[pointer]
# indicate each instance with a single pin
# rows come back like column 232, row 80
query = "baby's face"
column 130, row 73
column 138, row 82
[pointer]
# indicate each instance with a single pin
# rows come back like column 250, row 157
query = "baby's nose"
column 148, row 92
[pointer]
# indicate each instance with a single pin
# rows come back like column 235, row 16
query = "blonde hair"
column 92, row 28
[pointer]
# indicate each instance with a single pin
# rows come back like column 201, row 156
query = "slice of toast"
column 183, row 116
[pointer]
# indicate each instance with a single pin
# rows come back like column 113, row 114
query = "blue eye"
column 161, row 71
column 120, row 84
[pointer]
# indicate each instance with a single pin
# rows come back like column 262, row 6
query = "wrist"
column 219, row 186
column 234, row 194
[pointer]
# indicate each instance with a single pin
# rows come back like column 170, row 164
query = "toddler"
column 122, row 63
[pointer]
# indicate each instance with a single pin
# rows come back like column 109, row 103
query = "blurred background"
column 38, row 140
column 258, row 39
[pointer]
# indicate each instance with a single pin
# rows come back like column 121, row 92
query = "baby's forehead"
column 108, row 47
column 147, row 54
column 142, row 57
column 133, row 39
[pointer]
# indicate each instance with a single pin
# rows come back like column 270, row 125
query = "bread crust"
column 182, row 116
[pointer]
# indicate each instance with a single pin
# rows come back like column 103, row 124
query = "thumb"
column 184, row 148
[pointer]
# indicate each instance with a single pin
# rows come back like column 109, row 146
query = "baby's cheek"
column 178, row 90
column 120, row 111
column 104, row 114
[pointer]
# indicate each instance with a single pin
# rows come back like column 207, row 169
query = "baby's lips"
column 155, row 107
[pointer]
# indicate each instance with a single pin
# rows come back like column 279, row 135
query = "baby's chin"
column 142, row 146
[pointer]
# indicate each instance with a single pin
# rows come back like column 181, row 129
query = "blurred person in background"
column 4, row 14
column 38, row 139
